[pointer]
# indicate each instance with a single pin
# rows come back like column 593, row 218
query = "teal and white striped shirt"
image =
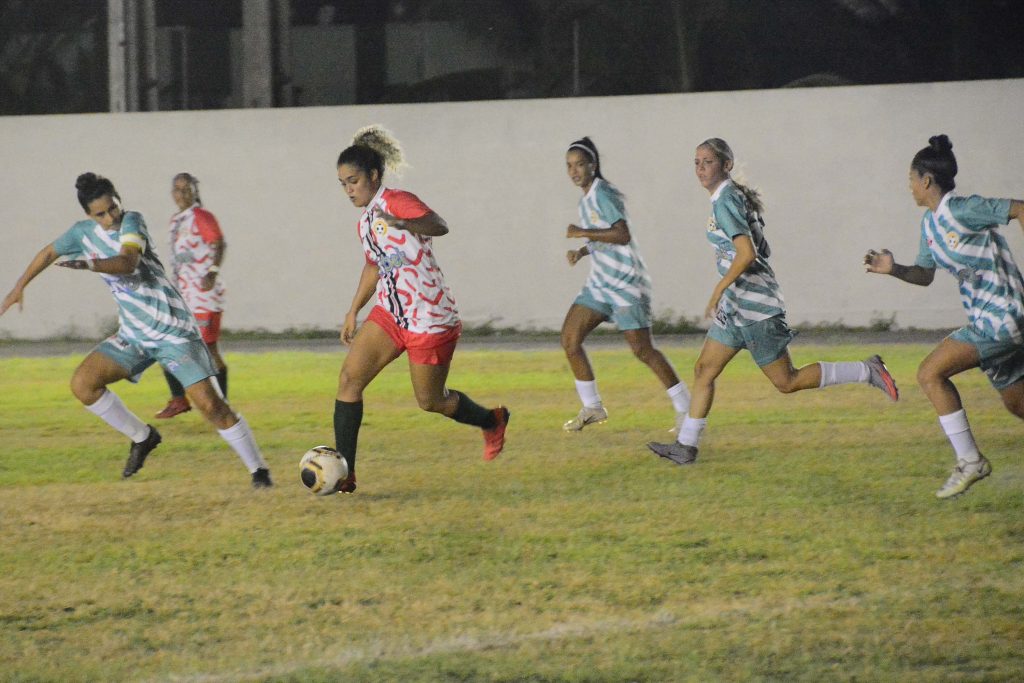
column 960, row 238
column 618, row 275
column 151, row 310
column 755, row 295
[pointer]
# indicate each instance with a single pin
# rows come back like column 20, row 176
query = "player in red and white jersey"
column 414, row 310
column 197, row 249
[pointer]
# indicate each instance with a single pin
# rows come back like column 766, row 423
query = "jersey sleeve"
column 924, row 252
column 70, row 243
column 610, row 205
column 405, row 205
column 133, row 231
column 731, row 216
column 980, row 212
column 206, row 223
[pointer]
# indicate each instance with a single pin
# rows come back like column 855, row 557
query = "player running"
column 414, row 310
column 197, row 250
column 618, row 288
column 155, row 326
column 747, row 307
column 958, row 234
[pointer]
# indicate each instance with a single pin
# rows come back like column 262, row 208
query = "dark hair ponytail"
column 91, row 187
column 937, row 159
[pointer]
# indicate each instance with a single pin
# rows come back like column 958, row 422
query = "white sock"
column 115, row 413
column 689, row 433
column 241, row 440
column 680, row 397
column 588, row 393
column 843, row 373
column 959, row 433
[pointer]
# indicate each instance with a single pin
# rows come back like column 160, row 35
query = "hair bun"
column 940, row 143
column 86, row 181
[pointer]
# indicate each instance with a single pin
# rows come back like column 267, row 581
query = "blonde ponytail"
column 380, row 140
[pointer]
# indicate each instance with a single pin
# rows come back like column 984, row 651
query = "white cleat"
column 588, row 415
column 963, row 477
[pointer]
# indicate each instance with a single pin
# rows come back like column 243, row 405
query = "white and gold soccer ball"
column 322, row 469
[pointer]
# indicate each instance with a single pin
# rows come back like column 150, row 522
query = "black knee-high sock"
column 222, row 380
column 469, row 413
column 177, row 391
column 347, row 418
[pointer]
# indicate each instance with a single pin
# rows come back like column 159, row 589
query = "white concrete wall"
column 832, row 164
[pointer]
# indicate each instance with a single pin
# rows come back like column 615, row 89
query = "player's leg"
column 642, row 346
column 1013, row 398
column 949, row 358
column 370, row 352
column 210, row 330
column 714, row 356
column 430, row 357
column 579, row 322
column 232, row 427
column 788, row 379
column 111, row 362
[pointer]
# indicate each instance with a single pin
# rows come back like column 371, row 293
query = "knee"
column 571, row 343
column 645, row 353
column 927, row 377
column 84, row 389
column 349, row 386
column 786, row 385
column 431, row 404
column 703, row 373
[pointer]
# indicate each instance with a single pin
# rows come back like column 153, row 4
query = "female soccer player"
column 618, row 288
column 197, row 250
column 958, row 234
column 747, row 307
column 414, row 309
column 155, row 326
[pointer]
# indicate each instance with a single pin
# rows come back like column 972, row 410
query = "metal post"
column 576, row 57
column 257, row 54
column 116, row 43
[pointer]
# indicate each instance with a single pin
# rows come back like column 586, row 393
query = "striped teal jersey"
column 618, row 275
column 151, row 310
column 755, row 295
column 960, row 237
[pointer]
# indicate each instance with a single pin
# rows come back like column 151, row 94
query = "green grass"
column 805, row 545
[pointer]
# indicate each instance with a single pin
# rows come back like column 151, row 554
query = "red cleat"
column 347, row 485
column 176, row 406
column 494, row 438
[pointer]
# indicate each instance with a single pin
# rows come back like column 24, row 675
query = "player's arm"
column 364, row 290
column 124, row 263
column 745, row 256
column 428, row 225
column 46, row 256
column 575, row 255
column 617, row 234
column 219, row 247
column 882, row 262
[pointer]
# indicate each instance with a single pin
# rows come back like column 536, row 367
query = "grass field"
column 805, row 545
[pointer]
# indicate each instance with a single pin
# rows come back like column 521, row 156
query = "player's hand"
column 74, row 264
column 572, row 256
column 389, row 219
column 574, row 231
column 348, row 328
column 878, row 261
column 208, row 281
column 16, row 296
column 712, row 307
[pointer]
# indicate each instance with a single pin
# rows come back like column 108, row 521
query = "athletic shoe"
column 348, row 484
column 261, row 479
column 878, row 376
column 176, row 406
column 494, row 438
column 587, row 416
column 675, row 451
column 963, row 477
column 137, row 455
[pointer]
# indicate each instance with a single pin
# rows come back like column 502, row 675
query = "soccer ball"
column 321, row 470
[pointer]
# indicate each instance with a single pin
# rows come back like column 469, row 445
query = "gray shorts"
column 766, row 340
column 189, row 362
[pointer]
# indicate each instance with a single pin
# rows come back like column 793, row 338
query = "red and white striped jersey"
column 411, row 285
column 193, row 232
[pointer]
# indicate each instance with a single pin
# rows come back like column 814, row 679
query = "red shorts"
column 209, row 325
column 423, row 348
